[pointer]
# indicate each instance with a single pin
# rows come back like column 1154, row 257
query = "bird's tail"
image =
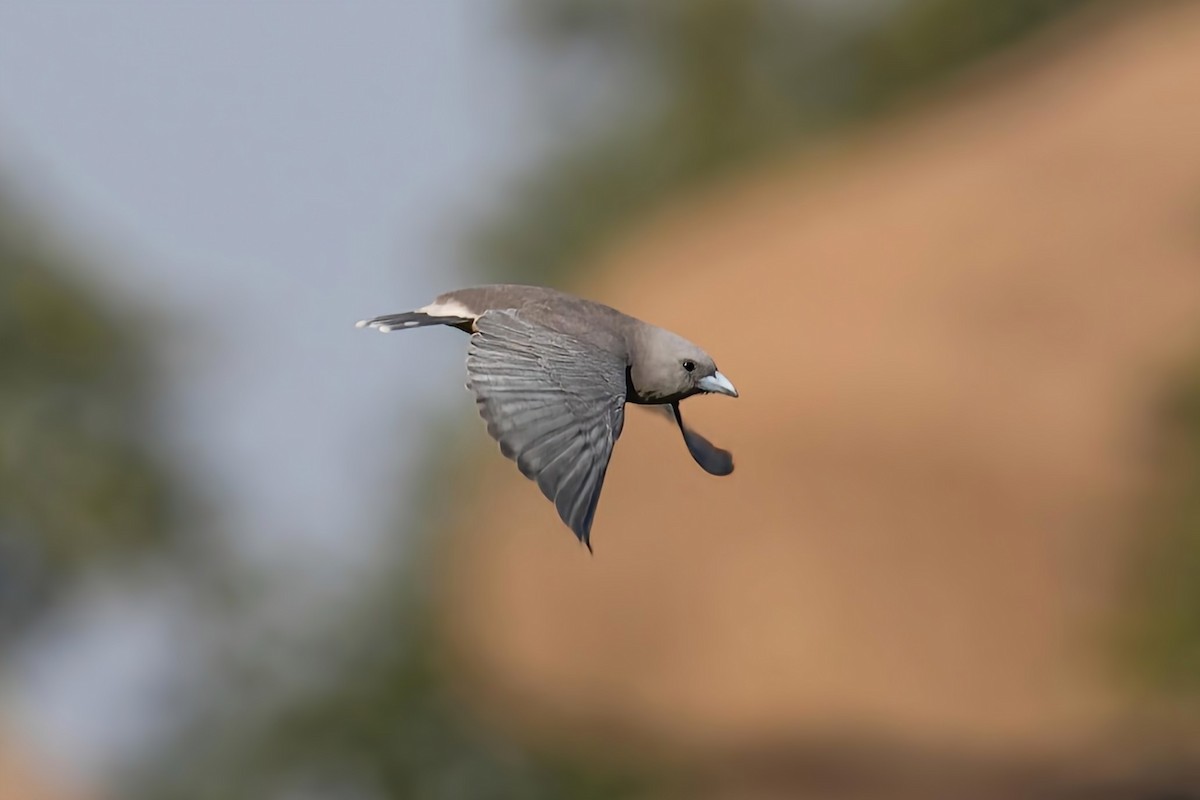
column 413, row 319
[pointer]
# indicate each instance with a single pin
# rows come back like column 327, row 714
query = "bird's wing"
column 554, row 403
column 712, row 459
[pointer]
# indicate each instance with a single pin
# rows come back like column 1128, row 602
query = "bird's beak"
column 717, row 383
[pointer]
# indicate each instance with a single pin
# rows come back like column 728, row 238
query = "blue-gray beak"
column 718, row 384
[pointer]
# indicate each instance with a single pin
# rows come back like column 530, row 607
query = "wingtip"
column 585, row 538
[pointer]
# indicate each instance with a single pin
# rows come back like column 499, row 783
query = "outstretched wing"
column 712, row 459
column 554, row 403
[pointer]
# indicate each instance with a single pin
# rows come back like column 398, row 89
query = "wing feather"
column 554, row 403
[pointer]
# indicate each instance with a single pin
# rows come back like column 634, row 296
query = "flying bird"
column 552, row 373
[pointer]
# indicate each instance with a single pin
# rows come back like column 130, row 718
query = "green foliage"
column 79, row 479
column 926, row 38
column 386, row 722
column 710, row 84
column 1162, row 640
column 393, row 732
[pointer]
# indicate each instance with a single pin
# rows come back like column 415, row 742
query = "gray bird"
column 551, row 374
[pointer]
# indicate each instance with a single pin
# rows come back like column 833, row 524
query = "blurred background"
column 948, row 250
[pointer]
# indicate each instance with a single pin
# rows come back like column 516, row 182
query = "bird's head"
column 668, row 367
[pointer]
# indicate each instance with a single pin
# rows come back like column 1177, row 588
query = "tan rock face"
column 947, row 338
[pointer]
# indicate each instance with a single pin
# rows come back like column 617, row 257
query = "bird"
column 552, row 374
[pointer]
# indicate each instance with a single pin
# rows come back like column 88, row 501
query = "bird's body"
column 551, row 374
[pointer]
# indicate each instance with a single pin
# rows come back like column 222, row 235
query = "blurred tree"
column 383, row 723
column 680, row 90
column 1161, row 642
column 80, row 480
column 695, row 87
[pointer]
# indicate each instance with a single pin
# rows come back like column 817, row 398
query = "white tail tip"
column 362, row 323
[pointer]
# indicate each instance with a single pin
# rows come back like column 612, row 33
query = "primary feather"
column 555, row 405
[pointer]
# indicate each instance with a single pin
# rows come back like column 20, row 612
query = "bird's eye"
column 689, row 365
